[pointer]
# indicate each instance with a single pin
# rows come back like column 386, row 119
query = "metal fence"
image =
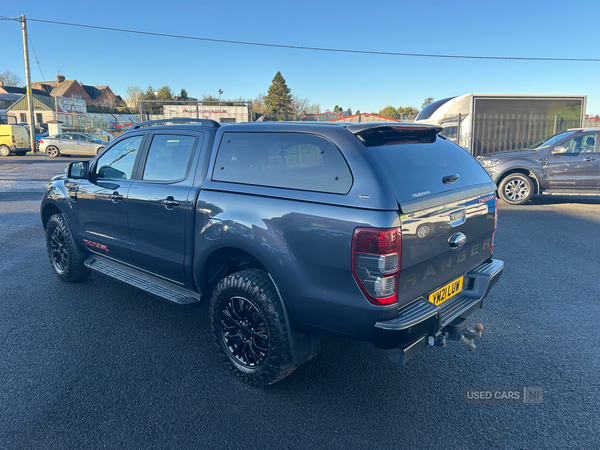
column 483, row 134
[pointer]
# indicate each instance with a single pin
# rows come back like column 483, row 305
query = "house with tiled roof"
column 94, row 96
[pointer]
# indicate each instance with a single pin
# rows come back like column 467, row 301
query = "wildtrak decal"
column 96, row 245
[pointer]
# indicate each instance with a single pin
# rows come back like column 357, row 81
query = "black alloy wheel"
column 244, row 332
column 59, row 256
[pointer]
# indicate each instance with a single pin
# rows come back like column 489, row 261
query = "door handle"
column 115, row 197
column 589, row 159
column 169, row 203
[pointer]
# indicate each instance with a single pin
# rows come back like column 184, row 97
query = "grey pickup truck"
column 382, row 232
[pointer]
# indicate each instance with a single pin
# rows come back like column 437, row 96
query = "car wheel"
column 37, row 145
column 20, row 153
column 4, row 150
column 52, row 151
column 516, row 189
column 249, row 326
column 99, row 150
column 64, row 257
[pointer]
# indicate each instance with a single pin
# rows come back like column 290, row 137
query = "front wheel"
column 249, row 326
column 516, row 189
column 52, row 152
column 63, row 254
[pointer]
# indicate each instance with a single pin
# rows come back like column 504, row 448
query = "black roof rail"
column 202, row 122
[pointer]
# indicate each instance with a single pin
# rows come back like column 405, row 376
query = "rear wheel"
column 66, row 260
column 249, row 327
column 52, row 151
column 20, row 153
column 4, row 150
column 516, row 189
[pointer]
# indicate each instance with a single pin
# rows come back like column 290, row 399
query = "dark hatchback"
column 567, row 163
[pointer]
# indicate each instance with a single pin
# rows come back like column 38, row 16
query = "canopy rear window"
column 418, row 171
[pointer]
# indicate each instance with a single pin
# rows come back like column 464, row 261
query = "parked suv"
column 376, row 232
column 567, row 163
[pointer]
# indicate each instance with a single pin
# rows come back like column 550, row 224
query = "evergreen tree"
column 183, row 95
column 280, row 98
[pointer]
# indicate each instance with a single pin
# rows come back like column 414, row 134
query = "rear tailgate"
column 446, row 204
column 21, row 137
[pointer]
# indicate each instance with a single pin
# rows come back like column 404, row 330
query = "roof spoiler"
column 202, row 122
column 376, row 134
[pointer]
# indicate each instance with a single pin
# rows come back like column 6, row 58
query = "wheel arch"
column 48, row 210
column 228, row 260
column 524, row 171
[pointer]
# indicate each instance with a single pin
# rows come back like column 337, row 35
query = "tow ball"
column 467, row 338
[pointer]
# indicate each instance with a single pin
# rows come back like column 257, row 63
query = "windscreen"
column 421, row 170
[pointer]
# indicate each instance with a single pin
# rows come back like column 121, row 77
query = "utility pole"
column 28, row 81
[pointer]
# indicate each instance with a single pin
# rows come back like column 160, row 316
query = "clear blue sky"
column 367, row 82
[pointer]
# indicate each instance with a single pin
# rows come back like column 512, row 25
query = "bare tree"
column 10, row 79
column 301, row 106
column 135, row 94
column 258, row 105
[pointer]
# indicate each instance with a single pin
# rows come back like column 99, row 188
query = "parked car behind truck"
column 13, row 139
column 71, row 143
column 567, row 163
column 375, row 232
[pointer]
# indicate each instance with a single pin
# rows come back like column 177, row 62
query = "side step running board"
column 141, row 280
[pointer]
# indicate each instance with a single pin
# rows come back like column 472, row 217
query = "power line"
column 322, row 49
column 36, row 58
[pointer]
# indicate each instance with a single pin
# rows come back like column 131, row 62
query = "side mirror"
column 78, row 170
column 559, row 149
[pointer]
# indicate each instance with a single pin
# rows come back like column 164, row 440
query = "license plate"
column 447, row 292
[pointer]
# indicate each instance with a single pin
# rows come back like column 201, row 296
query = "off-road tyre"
column 249, row 327
column 516, row 189
column 65, row 259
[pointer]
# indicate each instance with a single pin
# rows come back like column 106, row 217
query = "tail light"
column 495, row 225
column 376, row 263
column 14, row 140
column 41, row 141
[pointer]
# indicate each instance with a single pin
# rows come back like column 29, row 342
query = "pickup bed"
column 378, row 232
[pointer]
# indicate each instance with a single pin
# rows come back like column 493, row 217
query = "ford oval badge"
column 457, row 240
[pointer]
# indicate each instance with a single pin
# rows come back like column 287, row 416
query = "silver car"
column 72, row 144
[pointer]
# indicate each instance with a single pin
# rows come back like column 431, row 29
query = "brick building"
column 98, row 96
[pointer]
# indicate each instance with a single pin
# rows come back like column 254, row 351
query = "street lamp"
column 220, row 92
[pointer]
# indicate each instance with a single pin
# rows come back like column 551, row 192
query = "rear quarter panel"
column 307, row 249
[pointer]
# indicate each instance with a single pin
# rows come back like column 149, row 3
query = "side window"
column 79, row 137
column 284, row 160
column 117, row 162
column 579, row 144
column 67, row 136
column 168, row 157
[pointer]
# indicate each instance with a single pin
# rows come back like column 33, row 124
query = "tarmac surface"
column 99, row 364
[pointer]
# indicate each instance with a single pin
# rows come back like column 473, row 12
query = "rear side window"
column 283, row 160
column 168, row 158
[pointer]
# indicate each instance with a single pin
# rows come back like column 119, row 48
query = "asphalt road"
column 97, row 364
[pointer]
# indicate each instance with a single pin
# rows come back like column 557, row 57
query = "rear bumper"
column 417, row 321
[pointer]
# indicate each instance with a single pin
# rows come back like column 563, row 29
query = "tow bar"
column 467, row 338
